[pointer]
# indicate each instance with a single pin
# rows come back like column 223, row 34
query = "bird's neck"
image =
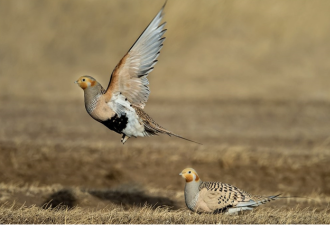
column 190, row 193
column 91, row 95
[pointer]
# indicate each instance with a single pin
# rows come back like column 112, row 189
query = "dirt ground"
column 247, row 79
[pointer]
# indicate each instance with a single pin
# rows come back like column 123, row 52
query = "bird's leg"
column 124, row 138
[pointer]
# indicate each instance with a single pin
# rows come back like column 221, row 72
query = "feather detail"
column 254, row 203
column 130, row 75
column 153, row 128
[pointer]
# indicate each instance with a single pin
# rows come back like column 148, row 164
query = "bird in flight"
column 217, row 197
column 120, row 106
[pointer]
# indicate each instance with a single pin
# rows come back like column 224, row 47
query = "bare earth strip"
column 103, row 181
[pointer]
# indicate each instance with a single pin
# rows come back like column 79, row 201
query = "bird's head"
column 190, row 175
column 86, row 81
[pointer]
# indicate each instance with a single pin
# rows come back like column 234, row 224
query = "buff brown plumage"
column 120, row 106
column 217, row 197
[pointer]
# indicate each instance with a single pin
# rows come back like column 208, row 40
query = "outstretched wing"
column 130, row 75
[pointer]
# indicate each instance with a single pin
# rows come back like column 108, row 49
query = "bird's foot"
column 124, row 138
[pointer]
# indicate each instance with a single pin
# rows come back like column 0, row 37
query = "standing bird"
column 120, row 106
column 217, row 197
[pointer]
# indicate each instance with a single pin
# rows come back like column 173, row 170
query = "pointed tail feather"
column 152, row 128
column 178, row 136
column 253, row 203
column 160, row 129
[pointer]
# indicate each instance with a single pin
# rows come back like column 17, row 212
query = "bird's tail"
column 250, row 205
column 152, row 128
column 169, row 133
column 255, row 203
column 258, row 200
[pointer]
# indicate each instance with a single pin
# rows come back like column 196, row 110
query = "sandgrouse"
column 120, row 106
column 217, row 197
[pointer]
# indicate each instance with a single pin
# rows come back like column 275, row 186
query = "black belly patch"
column 222, row 210
column 117, row 124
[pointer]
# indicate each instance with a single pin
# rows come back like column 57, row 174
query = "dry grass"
column 156, row 216
column 248, row 79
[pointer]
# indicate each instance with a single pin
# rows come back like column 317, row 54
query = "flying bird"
column 120, row 106
column 217, row 197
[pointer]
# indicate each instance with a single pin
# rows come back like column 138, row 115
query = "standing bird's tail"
column 243, row 206
column 152, row 128
column 258, row 201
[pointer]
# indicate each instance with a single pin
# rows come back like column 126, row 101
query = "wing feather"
column 130, row 75
column 219, row 196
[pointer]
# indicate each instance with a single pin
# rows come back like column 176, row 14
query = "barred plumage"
column 217, row 197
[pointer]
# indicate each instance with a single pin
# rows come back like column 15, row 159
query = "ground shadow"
column 60, row 199
column 66, row 199
column 136, row 198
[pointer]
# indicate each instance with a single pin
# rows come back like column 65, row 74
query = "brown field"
column 248, row 79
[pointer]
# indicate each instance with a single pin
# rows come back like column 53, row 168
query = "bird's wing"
column 220, row 196
column 130, row 75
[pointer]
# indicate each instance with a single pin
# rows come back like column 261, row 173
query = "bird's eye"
column 189, row 171
column 84, row 80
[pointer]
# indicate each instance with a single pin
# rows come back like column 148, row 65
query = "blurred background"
column 248, row 79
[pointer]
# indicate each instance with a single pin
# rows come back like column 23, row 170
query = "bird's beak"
column 76, row 82
column 180, row 174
